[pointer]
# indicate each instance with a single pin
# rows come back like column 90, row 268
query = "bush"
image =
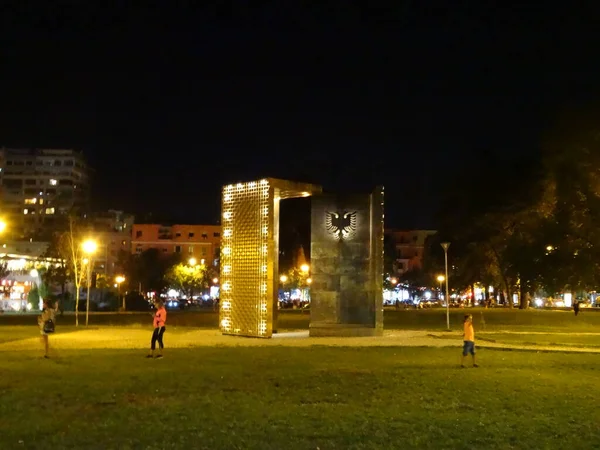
column 33, row 298
column 134, row 301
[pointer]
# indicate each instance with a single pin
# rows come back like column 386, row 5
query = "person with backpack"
column 46, row 324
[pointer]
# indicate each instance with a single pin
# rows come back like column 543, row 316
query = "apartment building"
column 111, row 231
column 198, row 241
column 39, row 187
column 409, row 246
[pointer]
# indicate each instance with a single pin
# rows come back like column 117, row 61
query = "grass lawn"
column 279, row 397
column 485, row 320
column 553, row 339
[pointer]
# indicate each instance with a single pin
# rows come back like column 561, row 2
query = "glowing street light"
column 215, row 281
column 89, row 247
column 2, row 226
column 305, row 268
column 192, row 262
column 308, row 280
column 283, row 278
column 394, row 281
column 119, row 279
column 441, row 279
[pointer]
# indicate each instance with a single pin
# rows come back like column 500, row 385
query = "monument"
column 347, row 265
column 347, row 260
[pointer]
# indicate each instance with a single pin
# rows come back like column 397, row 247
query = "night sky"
column 170, row 103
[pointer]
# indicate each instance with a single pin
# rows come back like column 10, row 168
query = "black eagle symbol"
column 341, row 226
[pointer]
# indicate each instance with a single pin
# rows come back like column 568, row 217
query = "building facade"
column 409, row 246
column 197, row 241
column 39, row 187
column 112, row 232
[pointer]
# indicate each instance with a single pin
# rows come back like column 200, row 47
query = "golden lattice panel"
column 246, row 269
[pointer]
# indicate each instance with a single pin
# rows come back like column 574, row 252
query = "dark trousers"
column 157, row 335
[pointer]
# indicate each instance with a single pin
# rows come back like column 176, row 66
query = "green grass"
column 553, row 339
column 485, row 320
column 496, row 319
column 298, row 398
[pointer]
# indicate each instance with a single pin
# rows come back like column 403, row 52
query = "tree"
column 4, row 272
column 69, row 247
column 57, row 273
column 188, row 279
column 493, row 230
column 147, row 269
column 572, row 207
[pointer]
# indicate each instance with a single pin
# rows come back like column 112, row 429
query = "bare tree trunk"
column 523, row 296
column 472, row 295
column 77, row 306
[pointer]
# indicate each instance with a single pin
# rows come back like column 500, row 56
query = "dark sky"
column 169, row 103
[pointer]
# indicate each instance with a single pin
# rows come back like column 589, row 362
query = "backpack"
column 49, row 326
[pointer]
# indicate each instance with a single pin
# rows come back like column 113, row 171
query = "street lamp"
column 308, row 280
column 394, row 281
column 192, row 262
column 305, row 268
column 445, row 246
column 283, row 278
column 119, row 280
column 441, row 279
column 215, row 280
column 89, row 248
column 2, row 226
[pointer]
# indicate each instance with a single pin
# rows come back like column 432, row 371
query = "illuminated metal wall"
column 250, row 253
column 246, row 253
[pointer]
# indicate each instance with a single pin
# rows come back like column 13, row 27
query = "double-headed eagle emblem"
column 341, row 226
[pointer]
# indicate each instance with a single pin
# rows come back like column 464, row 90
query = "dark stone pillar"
column 347, row 265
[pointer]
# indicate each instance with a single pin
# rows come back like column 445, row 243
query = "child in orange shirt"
column 469, row 340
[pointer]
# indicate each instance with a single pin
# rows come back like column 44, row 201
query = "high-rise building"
column 39, row 187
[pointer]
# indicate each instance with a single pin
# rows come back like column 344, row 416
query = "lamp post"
column 445, row 246
column 89, row 248
column 283, row 279
column 441, row 279
column 119, row 280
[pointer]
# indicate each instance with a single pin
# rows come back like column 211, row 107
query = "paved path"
column 138, row 338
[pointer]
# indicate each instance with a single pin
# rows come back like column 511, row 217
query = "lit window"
column 30, row 201
column 49, row 210
column 53, row 182
column 41, row 201
column 25, row 211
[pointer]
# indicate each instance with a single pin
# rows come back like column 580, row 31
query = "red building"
column 198, row 241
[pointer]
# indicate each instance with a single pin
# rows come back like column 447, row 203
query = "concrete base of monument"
column 343, row 330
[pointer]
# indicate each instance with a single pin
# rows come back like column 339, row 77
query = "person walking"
column 160, row 319
column 469, row 340
column 46, row 324
column 576, row 307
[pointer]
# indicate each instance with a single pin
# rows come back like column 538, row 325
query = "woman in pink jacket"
column 160, row 318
